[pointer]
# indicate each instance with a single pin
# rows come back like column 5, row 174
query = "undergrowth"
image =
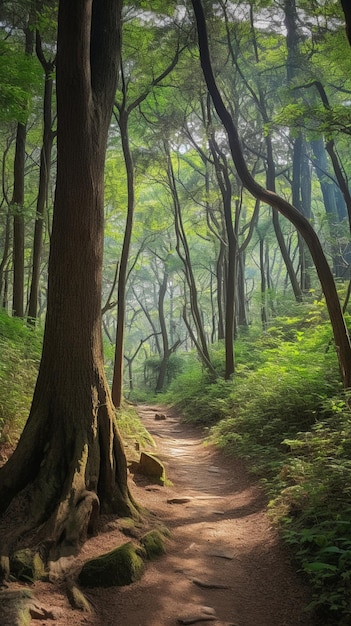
column 286, row 414
column 20, row 348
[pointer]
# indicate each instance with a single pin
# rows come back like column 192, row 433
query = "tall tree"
column 124, row 110
column 69, row 462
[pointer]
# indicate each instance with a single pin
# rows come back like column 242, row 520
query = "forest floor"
column 225, row 564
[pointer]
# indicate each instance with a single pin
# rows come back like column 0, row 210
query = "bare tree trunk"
column 44, row 178
column 347, row 10
column 18, row 200
column 117, row 383
column 18, row 222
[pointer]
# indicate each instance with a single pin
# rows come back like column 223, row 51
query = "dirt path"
column 224, row 562
column 221, row 537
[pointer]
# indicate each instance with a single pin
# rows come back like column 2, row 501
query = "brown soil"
column 224, row 553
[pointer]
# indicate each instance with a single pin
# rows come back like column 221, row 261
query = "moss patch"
column 119, row 567
column 27, row 565
column 154, row 543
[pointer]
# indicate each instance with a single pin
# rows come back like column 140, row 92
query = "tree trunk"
column 303, row 226
column 347, row 10
column 69, row 462
column 117, row 383
column 183, row 252
column 5, row 254
column 18, row 222
column 18, row 196
column 166, row 352
column 225, row 187
column 44, row 177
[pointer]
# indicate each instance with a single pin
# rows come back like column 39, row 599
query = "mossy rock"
column 151, row 466
column 129, row 527
column 120, row 567
column 77, row 599
column 154, row 543
column 14, row 607
column 27, row 565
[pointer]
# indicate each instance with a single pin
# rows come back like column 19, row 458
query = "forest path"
column 221, row 538
column 225, row 563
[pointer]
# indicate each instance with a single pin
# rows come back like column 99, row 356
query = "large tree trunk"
column 341, row 336
column 69, row 462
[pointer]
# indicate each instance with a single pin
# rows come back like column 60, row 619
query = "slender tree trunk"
column 44, row 178
column 18, row 200
column 264, row 318
column 347, row 10
column 226, row 193
column 117, row 383
column 5, row 254
column 18, row 222
column 161, row 313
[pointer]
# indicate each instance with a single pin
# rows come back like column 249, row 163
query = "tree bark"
column 69, row 462
column 347, row 11
column 18, row 222
column 341, row 336
column 117, row 383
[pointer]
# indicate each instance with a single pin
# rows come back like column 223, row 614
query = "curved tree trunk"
column 117, row 383
column 69, row 462
column 341, row 336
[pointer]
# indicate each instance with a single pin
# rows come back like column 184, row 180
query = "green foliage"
column 132, row 429
column 200, row 399
column 315, row 507
column 20, row 77
column 20, row 348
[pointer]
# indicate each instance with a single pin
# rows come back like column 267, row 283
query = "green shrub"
column 20, row 348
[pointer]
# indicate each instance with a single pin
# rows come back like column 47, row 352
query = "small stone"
column 199, row 614
column 38, row 611
column 209, row 585
column 159, row 417
column 222, row 555
column 178, row 500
